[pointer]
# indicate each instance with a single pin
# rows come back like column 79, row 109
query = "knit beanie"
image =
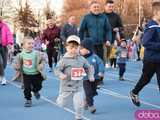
column 88, row 44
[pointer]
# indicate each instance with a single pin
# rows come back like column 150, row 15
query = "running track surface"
column 112, row 103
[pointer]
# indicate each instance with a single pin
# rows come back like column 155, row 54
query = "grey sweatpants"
column 3, row 59
column 65, row 98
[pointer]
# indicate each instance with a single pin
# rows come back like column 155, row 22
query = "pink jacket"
column 7, row 37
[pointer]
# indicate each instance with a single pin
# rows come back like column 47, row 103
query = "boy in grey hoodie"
column 71, row 69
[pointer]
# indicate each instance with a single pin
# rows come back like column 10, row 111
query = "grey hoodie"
column 64, row 67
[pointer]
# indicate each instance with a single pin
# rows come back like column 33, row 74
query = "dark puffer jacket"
column 151, row 42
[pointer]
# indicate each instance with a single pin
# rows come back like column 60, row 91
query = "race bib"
column 27, row 63
column 77, row 73
column 124, row 54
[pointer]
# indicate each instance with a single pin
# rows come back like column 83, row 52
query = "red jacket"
column 50, row 34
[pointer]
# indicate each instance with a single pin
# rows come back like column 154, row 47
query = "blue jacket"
column 151, row 42
column 98, row 65
column 96, row 27
column 68, row 30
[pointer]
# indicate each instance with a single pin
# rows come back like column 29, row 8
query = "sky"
column 39, row 4
column 55, row 4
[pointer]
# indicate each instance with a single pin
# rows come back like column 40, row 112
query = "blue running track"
column 112, row 103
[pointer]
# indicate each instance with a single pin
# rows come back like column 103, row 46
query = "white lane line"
column 50, row 101
column 115, row 94
column 150, row 85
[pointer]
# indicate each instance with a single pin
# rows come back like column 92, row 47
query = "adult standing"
column 6, row 41
column 114, row 19
column 151, row 62
column 70, row 28
column 115, row 22
column 95, row 25
column 49, row 37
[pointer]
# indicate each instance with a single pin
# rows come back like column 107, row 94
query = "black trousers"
column 149, row 69
column 90, row 91
column 98, row 49
column 122, row 69
column 113, row 61
column 52, row 53
column 31, row 83
column 3, row 59
column 138, row 52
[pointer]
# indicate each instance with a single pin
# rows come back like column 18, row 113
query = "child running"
column 30, row 63
column 71, row 69
column 90, row 87
column 122, row 55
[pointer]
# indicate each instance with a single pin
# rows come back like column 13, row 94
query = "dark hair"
column 156, row 3
column 72, row 43
column 122, row 35
column 109, row 1
column 124, row 41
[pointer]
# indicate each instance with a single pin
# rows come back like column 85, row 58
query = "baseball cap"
column 73, row 38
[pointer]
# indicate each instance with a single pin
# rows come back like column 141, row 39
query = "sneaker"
column 85, row 107
column 107, row 65
column 121, row 78
column 99, row 86
column 28, row 103
column 55, row 64
column 22, row 86
column 4, row 81
column 135, row 99
column 50, row 70
column 37, row 95
column 92, row 109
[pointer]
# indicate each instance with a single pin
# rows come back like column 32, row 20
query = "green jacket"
column 96, row 27
column 39, row 61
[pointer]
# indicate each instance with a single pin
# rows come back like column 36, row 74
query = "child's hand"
column 100, row 74
column 16, row 66
column 47, row 42
column 92, row 80
column 63, row 77
column 40, row 66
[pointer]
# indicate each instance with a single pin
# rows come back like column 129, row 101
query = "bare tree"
column 3, row 5
column 128, row 9
column 48, row 12
column 25, row 19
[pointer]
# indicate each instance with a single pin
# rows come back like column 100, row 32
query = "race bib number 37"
column 77, row 73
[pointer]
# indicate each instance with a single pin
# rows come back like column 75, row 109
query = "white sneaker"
column 4, row 81
column 107, row 65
